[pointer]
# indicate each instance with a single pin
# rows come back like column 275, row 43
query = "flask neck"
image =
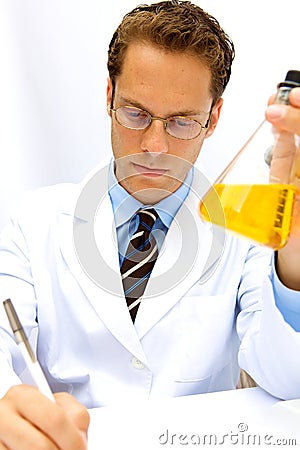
column 282, row 96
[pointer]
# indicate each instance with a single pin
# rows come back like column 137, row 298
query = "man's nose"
column 155, row 138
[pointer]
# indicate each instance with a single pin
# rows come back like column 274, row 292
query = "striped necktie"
column 139, row 261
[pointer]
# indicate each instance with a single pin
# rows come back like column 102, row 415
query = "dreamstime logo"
column 94, row 236
column 239, row 437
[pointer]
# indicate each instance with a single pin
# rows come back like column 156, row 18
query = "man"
column 204, row 311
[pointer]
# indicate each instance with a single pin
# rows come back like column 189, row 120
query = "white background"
column 53, row 121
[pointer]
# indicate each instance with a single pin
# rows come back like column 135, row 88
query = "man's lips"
column 147, row 171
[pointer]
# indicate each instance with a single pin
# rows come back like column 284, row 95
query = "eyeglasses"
column 180, row 127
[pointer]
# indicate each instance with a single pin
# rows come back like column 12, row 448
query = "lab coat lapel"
column 190, row 254
column 96, row 269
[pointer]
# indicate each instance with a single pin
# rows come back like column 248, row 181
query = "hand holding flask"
column 257, row 189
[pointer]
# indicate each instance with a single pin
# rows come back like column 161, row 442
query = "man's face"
column 150, row 164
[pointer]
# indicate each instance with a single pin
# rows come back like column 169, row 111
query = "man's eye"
column 180, row 122
column 133, row 114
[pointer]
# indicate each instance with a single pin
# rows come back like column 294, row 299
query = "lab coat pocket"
column 191, row 387
column 208, row 336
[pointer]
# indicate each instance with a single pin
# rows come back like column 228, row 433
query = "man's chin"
column 150, row 196
column 150, row 191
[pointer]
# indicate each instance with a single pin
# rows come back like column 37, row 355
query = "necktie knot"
column 147, row 219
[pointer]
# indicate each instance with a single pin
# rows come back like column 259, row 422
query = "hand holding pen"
column 27, row 353
column 28, row 419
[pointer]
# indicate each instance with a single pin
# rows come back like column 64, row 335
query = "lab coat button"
column 137, row 364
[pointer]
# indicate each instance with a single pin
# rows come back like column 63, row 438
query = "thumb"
column 77, row 412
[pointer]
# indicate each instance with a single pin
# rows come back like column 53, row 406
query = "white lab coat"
column 185, row 339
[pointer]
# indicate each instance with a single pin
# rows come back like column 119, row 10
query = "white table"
column 244, row 418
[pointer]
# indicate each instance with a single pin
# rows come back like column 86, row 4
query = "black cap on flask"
column 292, row 79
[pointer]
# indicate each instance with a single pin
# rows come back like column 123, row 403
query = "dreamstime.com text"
column 241, row 436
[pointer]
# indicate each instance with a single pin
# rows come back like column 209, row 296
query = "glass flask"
column 256, row 191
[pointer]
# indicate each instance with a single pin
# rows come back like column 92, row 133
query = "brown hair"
column 179, row 26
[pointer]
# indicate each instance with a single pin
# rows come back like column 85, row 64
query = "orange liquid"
column 261, row 213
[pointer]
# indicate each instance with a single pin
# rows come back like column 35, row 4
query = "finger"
column 288, row 256
column 16, row 433
column 284, row 117
column 57, row 423
column 51, row 419
column 294, row 97
column 272, row 99
column 283, row 156
column 75, row 410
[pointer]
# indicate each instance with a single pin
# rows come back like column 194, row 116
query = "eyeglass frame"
column 165, row 121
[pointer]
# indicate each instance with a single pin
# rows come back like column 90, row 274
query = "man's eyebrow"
column 131, row 102
column 136, row 104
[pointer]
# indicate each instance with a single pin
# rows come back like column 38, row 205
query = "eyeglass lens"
column 177, row 126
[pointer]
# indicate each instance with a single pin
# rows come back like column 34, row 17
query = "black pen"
column 32, row 363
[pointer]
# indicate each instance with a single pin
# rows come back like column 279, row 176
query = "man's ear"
column 109, row 94
column 215, row 115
